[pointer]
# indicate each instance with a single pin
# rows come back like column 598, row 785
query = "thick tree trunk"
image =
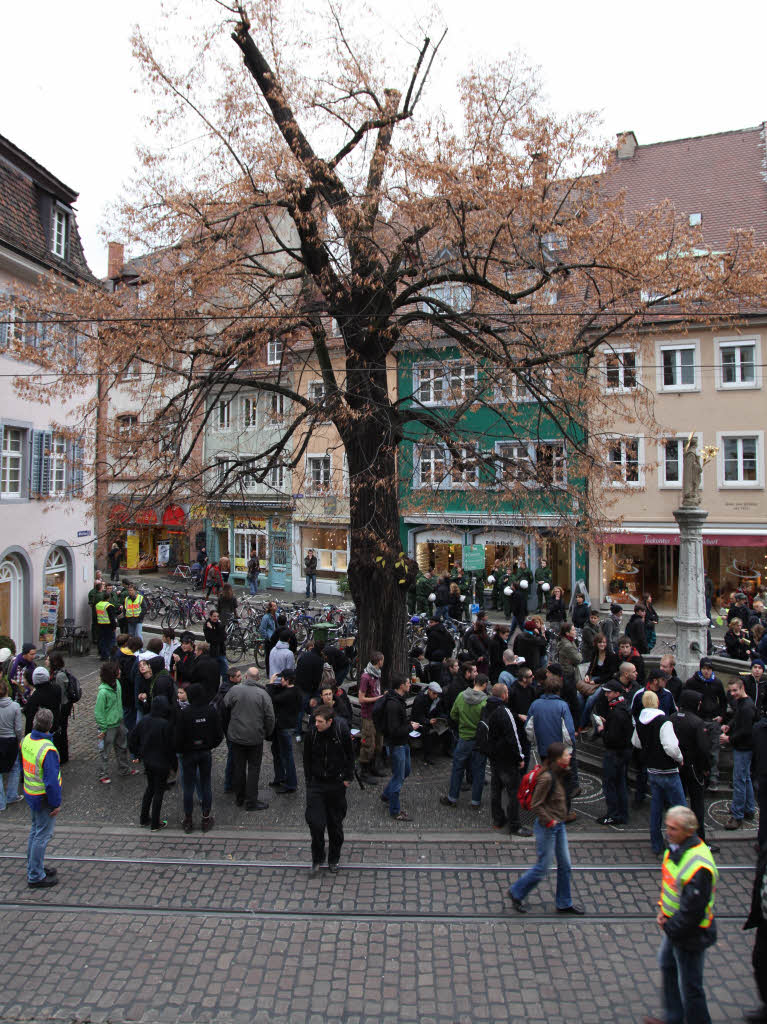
column 377, row 583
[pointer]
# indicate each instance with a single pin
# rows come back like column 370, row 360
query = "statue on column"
column 692, row 474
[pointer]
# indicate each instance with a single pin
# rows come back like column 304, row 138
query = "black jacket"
column 46, row 696
column 198, row 726
column 580, row 615
column 287, row 702
column 619, row 726
column 505, row 735
column 439, row 638
column 756, row 918
column 742, row 725
column 759, row 760
column 309, row 671
column 450, row 692
column 495, row 647
column 153, row 741
column 185, row 666
column 207, row 673
column 442, row 593
column 713, row 699
column 128, row 671
column 531, row 647
column 421, row 710
column 600, row 674
column 476, row 645
column 215, row 637
column 738, row 646
column 635, row 631
column 692, row 742
column 329, row 755
column 556, row 611
column 683, row 928
column 396, row 725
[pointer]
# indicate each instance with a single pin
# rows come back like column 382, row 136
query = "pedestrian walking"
column 686, row 920
column 396, row 734
column 108, row 713
column 42, row 788
column 198, row 731
column 549, row 805
column 251, row 721
column 328, row 771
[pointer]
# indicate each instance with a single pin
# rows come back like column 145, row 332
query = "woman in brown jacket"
column 550, row 806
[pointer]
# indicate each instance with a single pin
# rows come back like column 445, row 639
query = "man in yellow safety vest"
column 106, row 620
column 133, row 612
column 686, row 918
column 42, row 788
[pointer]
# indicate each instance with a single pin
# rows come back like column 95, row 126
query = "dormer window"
column 60, row 234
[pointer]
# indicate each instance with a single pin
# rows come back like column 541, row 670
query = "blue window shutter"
column 36, row 462
column 77, row 471
column 45, row 462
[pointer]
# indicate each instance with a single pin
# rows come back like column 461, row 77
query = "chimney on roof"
column 115, row 259
column 627, row 145
column 540, row 170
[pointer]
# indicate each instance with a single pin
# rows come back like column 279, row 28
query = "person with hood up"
column 635, row 629
column 155, row 681
column 44, row 695
column 198, row 731
column 611, row 627
column 530, row 644
column 207, row 670
column 153, row 741
column 713, row 710
column 654, row 735
column 108, row 713
column 281, row 657
column 467, row 712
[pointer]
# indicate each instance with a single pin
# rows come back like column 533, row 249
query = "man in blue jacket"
column 548, row 719
column 42, row 788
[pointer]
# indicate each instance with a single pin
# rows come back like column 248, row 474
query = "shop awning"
column 730, row 540
column 118, row 514
column 146, row 517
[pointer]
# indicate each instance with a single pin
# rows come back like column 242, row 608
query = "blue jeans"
column 253, row 585
column 442, row 611
column 11, row 793
column 301, row 713
column 43, row 824
column 742, row 787
column 666, row 792
column 548, row 842
column 464, row 754
column 615, row 767
column 196, row 774
column 134, row 629
column 285, row 766
column 683, row 995
column 590, row 702
column 400, row 769
column 311, row 583
column 223, row 666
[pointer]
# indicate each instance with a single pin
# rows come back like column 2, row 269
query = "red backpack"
column 526, row 787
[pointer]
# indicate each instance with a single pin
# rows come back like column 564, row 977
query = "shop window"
column 318, row 474
column 625, row 459
column 620, row 370
column 331, row 546
column 678, row 368
column 740, row 460
column 738, row 363
column 244, row 542
column 12, row 462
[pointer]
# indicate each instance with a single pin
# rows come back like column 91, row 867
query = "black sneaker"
column 517, row 904
column 164, row 824
column 333, row 868
column 521, row 830
column 447, row 802
column 573, row 909
column 44, row 883
column 50, row 872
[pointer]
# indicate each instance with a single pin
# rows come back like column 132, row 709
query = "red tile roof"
column 723, row 177
column 26, row 192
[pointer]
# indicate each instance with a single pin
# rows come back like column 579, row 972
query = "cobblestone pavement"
column 174, row 931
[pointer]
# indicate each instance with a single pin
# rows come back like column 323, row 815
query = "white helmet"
column 432, row 597
column 545, row 586
column 524, row 584
column 491, row 578
column 508, row 591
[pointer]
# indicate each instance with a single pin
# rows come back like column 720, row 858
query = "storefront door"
column 278, row 574
column 244, row 542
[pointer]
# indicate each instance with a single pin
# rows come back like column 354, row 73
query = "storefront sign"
column 474, row 557
column 146, row 517
column 244, row 523
column 437, row 536
column 49, row 614
column 198, row 512
column 173, row 516
column 163, row 554
column 722, row 540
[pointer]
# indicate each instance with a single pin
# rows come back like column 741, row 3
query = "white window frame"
column 741, row 485
column 737, row 341
column 274, row 352
column 276, row 477
column 223, row 463
column 527, row 456
column 464, row 482
column 619, row 353
column 445, row 383
column 317, row 391
column 248, row 412
column 223, row 414
column 60, row 233
column 10, row 456
column 431, row 455
column 321, row 487
column 454, row 294
column 681, row 438
column 58, row 467
column 671, row 346
column 611, row 440
column 277, row 404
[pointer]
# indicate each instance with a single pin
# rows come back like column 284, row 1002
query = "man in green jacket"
column 467, row 712
column 424, row 586
column 108, row 713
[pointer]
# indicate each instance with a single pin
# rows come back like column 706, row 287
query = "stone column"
column 691, row 620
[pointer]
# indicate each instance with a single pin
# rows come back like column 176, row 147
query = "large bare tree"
column 305, row 188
